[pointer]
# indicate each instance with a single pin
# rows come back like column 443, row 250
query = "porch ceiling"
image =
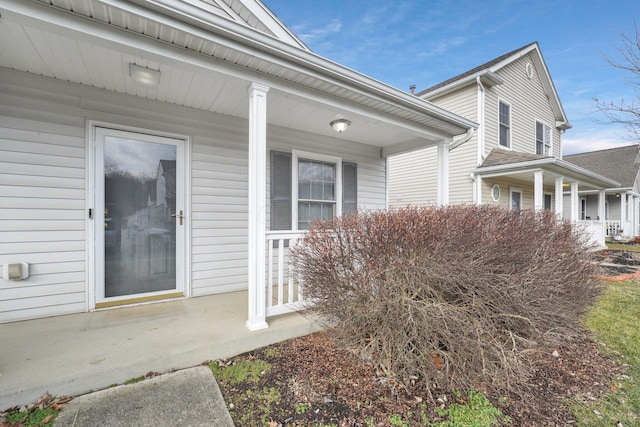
column 207, row 64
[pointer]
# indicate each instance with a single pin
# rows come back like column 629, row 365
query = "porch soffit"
column 96, row 40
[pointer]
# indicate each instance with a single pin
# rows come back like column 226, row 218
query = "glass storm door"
column 139, row 218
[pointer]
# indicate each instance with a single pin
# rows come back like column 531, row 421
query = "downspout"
column 462, row 140
column 474, row 189
column 480, row 121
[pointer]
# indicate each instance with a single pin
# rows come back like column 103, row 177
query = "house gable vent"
column 529, row 70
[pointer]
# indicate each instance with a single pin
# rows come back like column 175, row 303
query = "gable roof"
column 250, row 13
column 620, row 164
column 487, row 74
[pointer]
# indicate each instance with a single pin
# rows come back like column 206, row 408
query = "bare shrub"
column 450, row 297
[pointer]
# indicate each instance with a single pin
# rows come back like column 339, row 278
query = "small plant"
column 272, row 352
column 301, row 408
column 36, row 417
column 396, row 420
column 477, row 411
column 134, row 380
column 243, row 370
column 255, row 404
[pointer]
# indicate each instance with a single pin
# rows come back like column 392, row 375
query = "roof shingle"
column 620, row 164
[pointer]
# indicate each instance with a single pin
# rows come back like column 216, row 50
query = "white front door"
column 139, row 217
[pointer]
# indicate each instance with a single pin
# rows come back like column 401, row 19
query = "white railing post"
column 257, row 205
column 285, row 298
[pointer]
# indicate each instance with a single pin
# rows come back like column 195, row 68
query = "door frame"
column 183, row 256
column 511, row 191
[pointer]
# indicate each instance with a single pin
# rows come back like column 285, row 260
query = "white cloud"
column 593, row 140
column 442, row 46
column 314, row 34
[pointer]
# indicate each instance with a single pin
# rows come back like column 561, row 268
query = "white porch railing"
column 595, row 230
column 283, row 293
column 612, row 228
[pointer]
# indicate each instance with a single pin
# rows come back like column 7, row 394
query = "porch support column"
column 575, row 209
column 257, row 205
column 538, row 191
column 601, row 210
column 623, row 212
column 478, row 190
column 559, row 198
column 443, row 173
column 634, row 210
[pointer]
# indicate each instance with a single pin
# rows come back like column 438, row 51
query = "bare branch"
column 626, row 113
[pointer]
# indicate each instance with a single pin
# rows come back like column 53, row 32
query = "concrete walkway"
column 72, row 355
column 183, row 398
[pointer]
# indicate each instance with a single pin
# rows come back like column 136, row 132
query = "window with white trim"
column 505, row 124
column 316, row 192
column 543, row 139
column 306, row 187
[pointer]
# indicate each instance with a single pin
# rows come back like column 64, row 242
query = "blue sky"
column 425, row 42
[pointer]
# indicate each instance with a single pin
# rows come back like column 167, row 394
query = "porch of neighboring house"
column 621, row 213
column 76, row 353
column 539, row 182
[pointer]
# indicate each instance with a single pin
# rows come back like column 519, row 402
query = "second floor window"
column 543, row 139
column 505, row 125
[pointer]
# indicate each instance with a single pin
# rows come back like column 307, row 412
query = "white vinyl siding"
column 505, row 198
column 42, row 216
column 413, row 177
column 219, row 210
column 528, row 101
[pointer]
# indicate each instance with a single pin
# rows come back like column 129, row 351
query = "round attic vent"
column 529, row 69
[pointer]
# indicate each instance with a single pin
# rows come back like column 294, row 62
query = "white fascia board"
column 407, row 146
column 517, row 55
column 274, row 24
column 561, row 168
column 489, row 78
column 306, row 60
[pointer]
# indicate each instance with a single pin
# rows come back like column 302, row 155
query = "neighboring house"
column 147, row 149
column 621, row 213
column 514, row 159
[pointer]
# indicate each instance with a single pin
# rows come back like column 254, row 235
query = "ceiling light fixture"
column 340, row 125
column 144, row 75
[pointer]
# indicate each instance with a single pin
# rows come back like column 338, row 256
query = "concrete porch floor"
column 74, row 354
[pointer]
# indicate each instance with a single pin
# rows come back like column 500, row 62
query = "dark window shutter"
column 280, row 190
column 349, row 188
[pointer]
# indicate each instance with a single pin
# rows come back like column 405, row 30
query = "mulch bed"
column 340, row 389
